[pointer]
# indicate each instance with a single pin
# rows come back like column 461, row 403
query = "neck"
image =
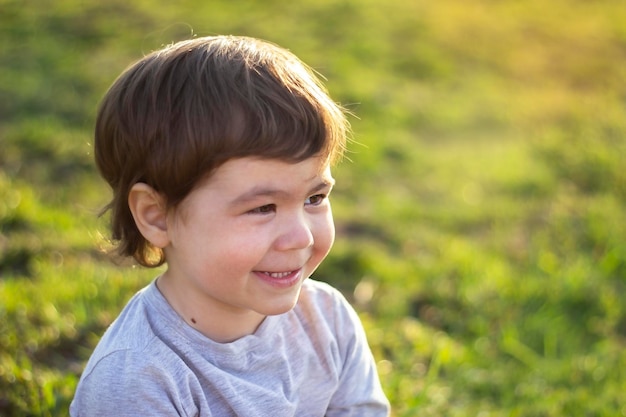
column 222, row 325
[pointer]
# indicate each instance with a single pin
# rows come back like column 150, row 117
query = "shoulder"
column 358, row 387
column 127, row 343
column 128, row 382
column 131, row 367
column 137, row 338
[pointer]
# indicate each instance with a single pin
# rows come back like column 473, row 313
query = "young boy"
column 218, row 151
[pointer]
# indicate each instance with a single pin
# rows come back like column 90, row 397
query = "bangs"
column 246, row 104
column 283, row 124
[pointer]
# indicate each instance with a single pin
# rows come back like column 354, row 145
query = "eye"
column 265, row 209
column 315, row 200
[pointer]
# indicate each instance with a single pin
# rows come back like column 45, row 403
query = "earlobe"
column 149, row 210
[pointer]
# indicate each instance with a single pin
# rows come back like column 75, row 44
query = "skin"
column 241, row 244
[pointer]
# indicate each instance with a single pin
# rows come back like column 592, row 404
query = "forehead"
column 250, row 174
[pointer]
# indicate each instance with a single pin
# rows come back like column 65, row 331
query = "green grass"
column 481, row 216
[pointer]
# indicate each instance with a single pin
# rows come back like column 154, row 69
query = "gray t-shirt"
column 311, row 361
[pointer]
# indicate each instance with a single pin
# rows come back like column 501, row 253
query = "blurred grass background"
column 481, row 217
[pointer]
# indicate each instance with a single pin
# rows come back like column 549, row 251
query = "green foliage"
column 481, row 215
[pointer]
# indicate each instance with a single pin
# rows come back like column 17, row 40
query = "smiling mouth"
column 281, row 280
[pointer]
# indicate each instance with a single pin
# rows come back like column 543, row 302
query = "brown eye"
column 315, row 200
column 265, row 209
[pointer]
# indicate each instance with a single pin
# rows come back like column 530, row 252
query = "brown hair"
column 179, row 113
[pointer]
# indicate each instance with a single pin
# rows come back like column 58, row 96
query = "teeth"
column 277, row 274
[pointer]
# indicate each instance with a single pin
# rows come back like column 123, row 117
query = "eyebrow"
column 260, row 192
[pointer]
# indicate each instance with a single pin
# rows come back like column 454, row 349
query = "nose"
column 296, row 232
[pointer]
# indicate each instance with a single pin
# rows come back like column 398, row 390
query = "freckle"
column 193, row 320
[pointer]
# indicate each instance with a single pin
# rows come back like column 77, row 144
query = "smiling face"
column 241, row 244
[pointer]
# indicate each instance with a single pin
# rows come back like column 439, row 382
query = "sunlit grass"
column 481, row 214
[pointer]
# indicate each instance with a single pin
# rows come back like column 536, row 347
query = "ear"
column 149, row 210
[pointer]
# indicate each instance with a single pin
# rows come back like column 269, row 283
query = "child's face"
column 248, row 236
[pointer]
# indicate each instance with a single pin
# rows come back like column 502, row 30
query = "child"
column 218, row 151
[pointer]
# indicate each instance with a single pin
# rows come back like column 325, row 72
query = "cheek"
column 239, row 249
column 325, row 236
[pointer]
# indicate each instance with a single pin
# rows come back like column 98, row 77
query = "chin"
column 278, row 310
column 280, row 306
